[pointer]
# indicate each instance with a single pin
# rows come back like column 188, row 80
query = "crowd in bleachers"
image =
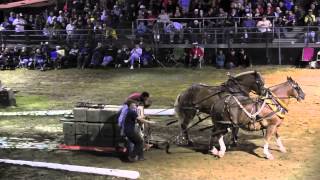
column 93, row 25
column 104, row 16
column 45, row 57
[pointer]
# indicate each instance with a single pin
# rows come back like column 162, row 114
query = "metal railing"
column 205, row 22
column 217, row 35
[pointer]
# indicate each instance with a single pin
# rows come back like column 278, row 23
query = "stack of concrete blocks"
column 7, row 97
column 93, row 127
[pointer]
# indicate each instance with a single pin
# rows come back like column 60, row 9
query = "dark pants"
column 137, row 140
column 194, row 62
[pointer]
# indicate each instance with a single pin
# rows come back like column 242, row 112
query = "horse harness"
column 277, row 106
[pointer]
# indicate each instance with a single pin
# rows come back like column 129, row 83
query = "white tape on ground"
column 75, row 168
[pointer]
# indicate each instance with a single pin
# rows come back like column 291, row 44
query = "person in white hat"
column 196, row 55
column 19, row 24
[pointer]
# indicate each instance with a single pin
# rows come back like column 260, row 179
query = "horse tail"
column 177, row 108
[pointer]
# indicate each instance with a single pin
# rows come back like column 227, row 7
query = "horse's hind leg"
column 279, row 143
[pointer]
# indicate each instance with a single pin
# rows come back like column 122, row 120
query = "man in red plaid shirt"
column 196, row 55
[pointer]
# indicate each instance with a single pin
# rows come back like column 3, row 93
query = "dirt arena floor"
column 300, row 133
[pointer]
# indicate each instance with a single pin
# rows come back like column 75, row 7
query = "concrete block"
column 69, row 139
column 80, row 114
column 4, row 98
column 117, row 131
column 120, row 142
column 107, row 116
column 104, row 142
column 81, row 128
column 107, row 130
column 69, row 128
column 93, row 128
column 10, row 93
column 93, row 115
column 82, row 140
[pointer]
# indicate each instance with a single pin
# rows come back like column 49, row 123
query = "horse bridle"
column 259, row 84
column 296, row 87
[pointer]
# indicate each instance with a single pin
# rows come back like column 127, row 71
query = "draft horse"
column 253, row 115
column 199, row 98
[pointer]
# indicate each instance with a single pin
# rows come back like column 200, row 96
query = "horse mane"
column 245, row 73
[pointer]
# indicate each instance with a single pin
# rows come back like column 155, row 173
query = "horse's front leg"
column 270, row 131
column 279, row 143
column 223, row 148
column 235, row 131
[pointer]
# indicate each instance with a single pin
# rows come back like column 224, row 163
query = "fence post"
column 132, row 28
column 279, row 48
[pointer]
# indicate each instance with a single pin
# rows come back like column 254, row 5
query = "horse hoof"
column 221, row 154
column 283, row 150
column 214, row 151
column 270, row 157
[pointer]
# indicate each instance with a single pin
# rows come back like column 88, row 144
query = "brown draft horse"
column 200, row 97
column 264, row 113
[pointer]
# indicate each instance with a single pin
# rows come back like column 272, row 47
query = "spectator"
column 5, row 25
column 146, row 57
column 4, row 57
column 110, row 33
column 123, row 55
column 244, row 60
column 269, row 11
column 288, row 4
column 196, row 55
column 12, row 17
column 61, row 17
column 151, row 18
column 50, row 19
column 177, row 13
column 298, row 15
column 249, row 26
column 72, row 56
column 25, row 61
column 278, row 13
column 220, row 59
column 184, row 4
column 310, row 20
column 194, row 30
column 70, row 29
column 163, row 17
column 19, row 24
column 142, row 29
column 135, row 55
column 39, row 60
column 232, row 60
column 109, row 55
column 174, row 28
column 291, row 19
column 280, row 24
column 256, row 13
column 264, row 27
column 83, row 57
column 97, row 55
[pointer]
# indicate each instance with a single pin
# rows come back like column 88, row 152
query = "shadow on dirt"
column 244, row 145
